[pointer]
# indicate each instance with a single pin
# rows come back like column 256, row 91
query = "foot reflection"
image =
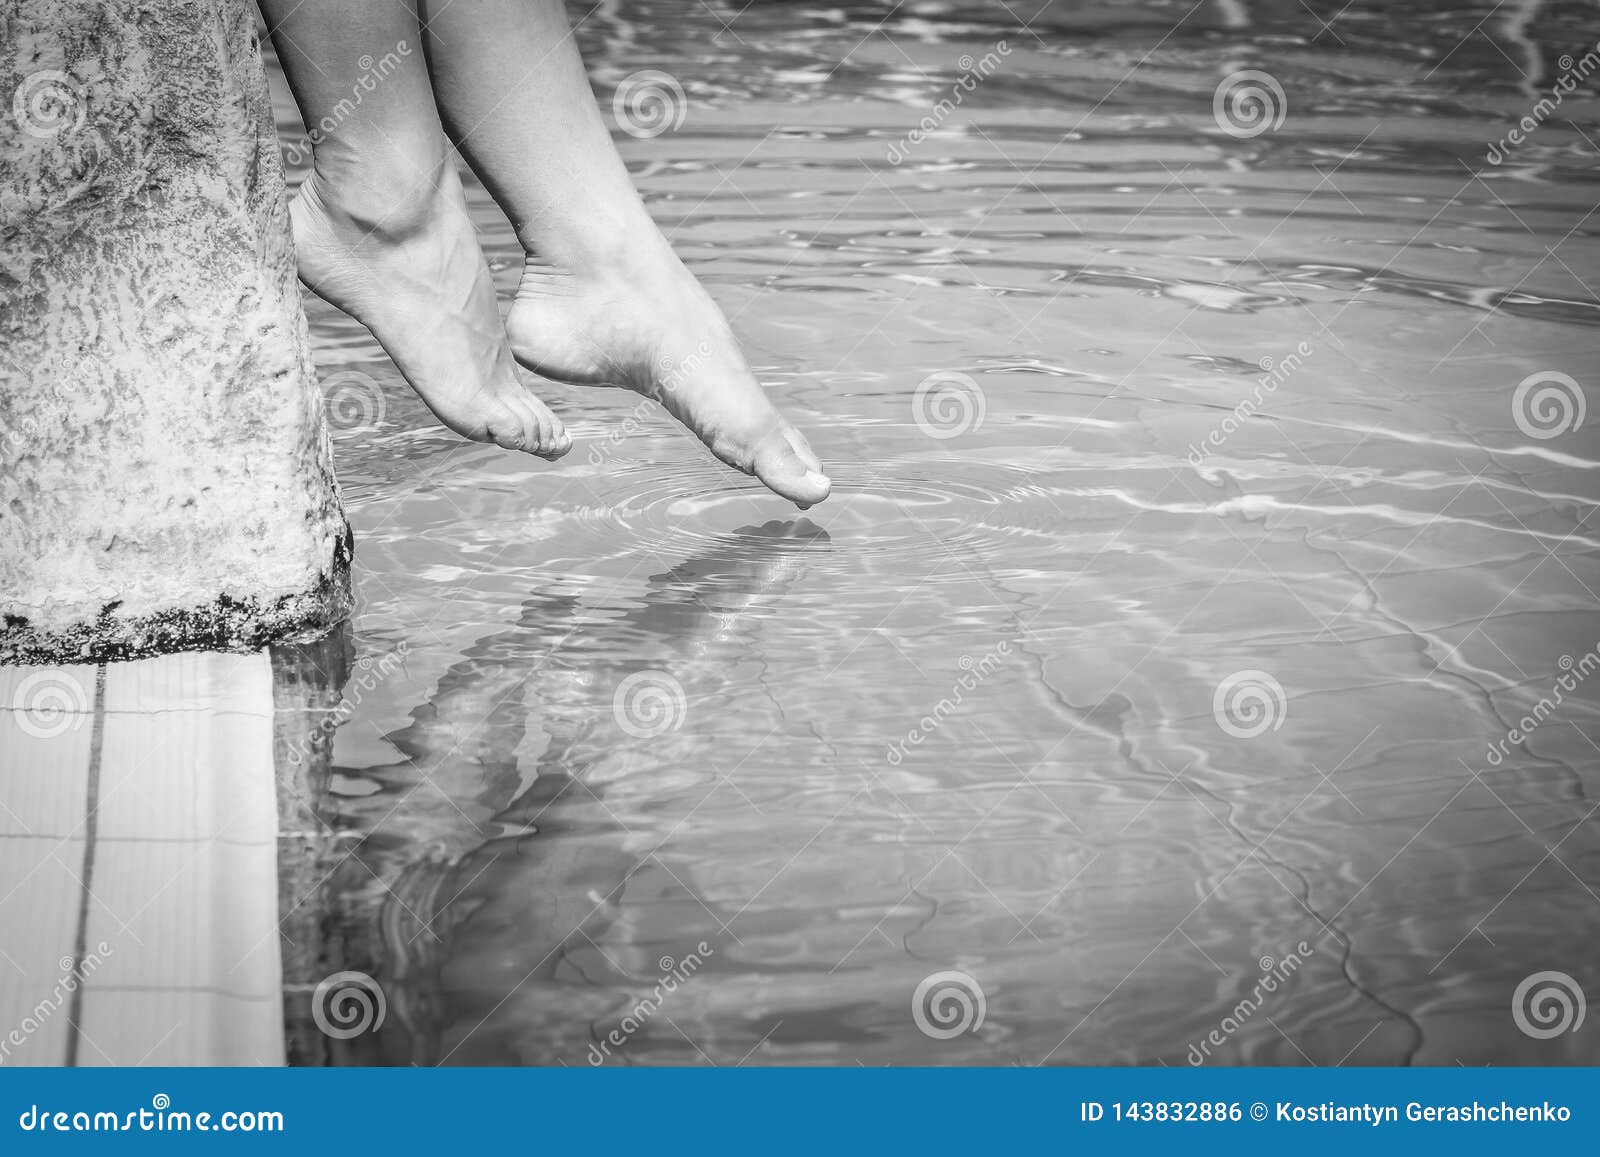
column 478, row 883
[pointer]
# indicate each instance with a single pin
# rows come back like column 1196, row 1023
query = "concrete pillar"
column 165, row 474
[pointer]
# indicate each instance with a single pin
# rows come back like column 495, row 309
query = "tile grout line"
column 86, row 889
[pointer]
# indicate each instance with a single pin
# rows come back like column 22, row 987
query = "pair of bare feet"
column 382, row 231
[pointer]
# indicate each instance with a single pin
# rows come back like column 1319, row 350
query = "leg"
column 381, row 227
column 603, row 299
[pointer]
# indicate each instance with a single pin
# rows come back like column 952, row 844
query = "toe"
column 781, row 467
column 802, row 450
column 554, row 441
column 511, row 425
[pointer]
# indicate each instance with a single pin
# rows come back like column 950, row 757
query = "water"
column 963, row 716
column 1075, row 831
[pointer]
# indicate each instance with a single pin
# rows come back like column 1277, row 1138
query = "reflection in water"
column 1099, row 275
column 462, row 882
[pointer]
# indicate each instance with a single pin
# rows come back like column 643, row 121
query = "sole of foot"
column 413, row 274
column 658, row 332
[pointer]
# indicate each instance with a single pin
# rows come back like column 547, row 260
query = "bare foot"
column 415, row 277
column 645, row 323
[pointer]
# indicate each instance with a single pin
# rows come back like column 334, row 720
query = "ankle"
column 383, row 202
column 615, row 255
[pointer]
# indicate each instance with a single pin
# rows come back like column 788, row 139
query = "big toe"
column 788, row 467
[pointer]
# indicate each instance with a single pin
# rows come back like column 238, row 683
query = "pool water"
column 1171, row 727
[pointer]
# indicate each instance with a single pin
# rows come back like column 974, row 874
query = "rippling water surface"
column 635, row 723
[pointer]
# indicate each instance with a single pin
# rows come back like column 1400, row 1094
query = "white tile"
column 46, row 731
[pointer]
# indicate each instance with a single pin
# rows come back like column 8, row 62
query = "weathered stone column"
column 165, row 474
